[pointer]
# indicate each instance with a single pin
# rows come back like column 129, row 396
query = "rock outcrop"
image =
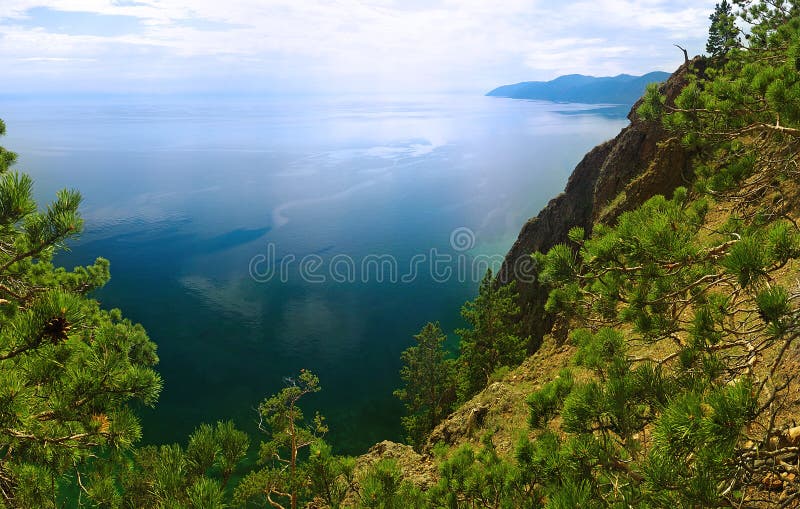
column 619, row 175
column 418, row 469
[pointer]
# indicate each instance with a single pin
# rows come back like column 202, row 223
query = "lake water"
column 256, row 237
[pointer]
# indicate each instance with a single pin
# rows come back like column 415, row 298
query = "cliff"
column 616, row 176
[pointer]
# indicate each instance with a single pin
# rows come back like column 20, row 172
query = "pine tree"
column 170, row 476
column 428, row 384
column 382, row 486
column 723, row 35
column 68, row 368
column 765, row 18
column 331, row 477
column 494, row 339
column 476, row 479
column 281, row 481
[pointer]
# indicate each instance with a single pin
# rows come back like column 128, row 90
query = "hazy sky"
column 350, row 46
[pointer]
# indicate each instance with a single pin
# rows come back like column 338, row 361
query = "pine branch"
column 272, row 502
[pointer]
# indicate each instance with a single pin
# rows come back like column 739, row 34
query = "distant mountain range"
column 577, row 88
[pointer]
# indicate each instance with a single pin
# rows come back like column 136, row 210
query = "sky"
column 334, row 46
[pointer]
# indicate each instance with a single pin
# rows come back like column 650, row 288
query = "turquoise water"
column 194, row 201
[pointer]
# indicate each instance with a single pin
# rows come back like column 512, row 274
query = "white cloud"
column 349, row 44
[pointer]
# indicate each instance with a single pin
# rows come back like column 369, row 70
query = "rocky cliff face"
column 616, row 176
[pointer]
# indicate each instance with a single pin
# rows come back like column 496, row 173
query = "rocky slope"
column 499, row 409
column 618, row 175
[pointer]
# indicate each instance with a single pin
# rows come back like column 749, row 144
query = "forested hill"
column 577, row 88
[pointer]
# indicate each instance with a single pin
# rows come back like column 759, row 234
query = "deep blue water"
column 190, row 198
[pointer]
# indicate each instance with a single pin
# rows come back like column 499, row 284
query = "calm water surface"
column 187, row 196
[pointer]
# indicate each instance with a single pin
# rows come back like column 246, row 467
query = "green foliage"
column 541, row 459
column 773, row 304
column 544, row 473
column 68, row 369
column 732, row 169
column 331, row 477
column 494, row 338
column 382, row 487
column 545, row 402
column 746, row 94
column 747, row 260
column 428, row 384
column 561, row 265
column 598, row 351
column 654, row 273
column 167, row 476
column 723, row 35
column 202, row 450
column 583, row 408
column 708, row 322
column 694, row 440
column 769, row 20
column 222, row 447
column 621, row 273
column 482, row 479
column 7, row 158
column 205, row 494
column 160, row 476
column 572, row 495
column 782, row 242
column 232, row 446
column 652, row 106
column 576, row 234
column 286, row 477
